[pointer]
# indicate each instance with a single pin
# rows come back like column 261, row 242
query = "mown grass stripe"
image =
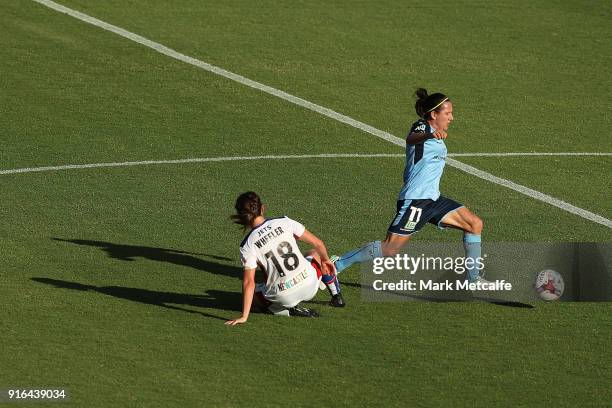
column 320, row 109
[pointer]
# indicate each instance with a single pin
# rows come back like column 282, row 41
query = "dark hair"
column 425, row 103
column 248, row 207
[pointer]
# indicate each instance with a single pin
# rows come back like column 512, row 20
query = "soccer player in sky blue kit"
column 419, row 200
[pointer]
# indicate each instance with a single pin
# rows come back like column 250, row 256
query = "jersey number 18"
column 290, row 259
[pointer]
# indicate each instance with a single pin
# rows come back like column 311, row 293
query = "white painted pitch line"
column 317, row 108
column 531, row 193
column 266, row 157
column 518, row 154
column 195, row 160
column 219, row 71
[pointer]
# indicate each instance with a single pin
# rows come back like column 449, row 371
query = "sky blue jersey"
column 424, row 165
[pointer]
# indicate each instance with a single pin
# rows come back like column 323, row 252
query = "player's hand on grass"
column 234, row 322
column 440, row 134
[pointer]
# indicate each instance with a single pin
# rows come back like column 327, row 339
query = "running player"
column 291, row 278
column 419, row 199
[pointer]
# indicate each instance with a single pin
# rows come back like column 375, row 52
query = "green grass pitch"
column 116, row 281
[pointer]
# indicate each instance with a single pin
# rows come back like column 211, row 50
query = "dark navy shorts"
column 412, row 215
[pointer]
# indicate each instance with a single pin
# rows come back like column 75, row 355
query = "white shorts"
column 306, row 290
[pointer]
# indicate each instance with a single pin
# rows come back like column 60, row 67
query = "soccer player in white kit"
column 291, row 278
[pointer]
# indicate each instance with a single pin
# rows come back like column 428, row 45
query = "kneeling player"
column 291, row 278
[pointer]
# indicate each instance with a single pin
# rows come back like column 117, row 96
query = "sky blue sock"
column 366, row 253
column 471, row 243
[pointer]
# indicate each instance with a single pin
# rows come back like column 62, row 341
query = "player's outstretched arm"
column 248, row 290
column 319, row 246
column 418, row 137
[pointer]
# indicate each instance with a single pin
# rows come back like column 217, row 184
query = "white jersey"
column 272, row 246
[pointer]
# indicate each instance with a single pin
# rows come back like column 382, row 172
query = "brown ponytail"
column 248, row 207
column 425, row 103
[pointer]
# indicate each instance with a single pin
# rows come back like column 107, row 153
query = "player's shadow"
column 212, row 299
column 131, row 252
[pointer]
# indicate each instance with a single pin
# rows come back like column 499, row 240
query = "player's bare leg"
column 465, row 220
column 393, row 244
column 315, row 255
column 330, row 282
column 472, row 226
